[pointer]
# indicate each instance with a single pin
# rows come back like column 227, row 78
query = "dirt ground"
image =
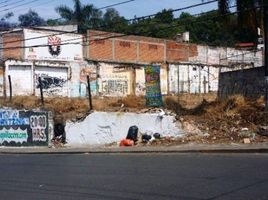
column 207, row 119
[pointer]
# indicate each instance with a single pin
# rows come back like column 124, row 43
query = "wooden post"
column 89, row 94
column 10, row 88
column 41, row 90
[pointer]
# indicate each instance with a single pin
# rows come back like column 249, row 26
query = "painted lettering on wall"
column 38, row 125
column 23, row 128
column 11, row 118
column 115, row 87
column 17, row 136
column 51, row 85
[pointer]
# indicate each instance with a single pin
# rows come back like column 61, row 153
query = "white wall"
column 200, row 79
column 21, row 77
column 68, row 50
column 104, row 128
column 54, row 79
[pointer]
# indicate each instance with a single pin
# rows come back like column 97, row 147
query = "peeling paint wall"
column 21, row 74
column 115, row 80
column 24, row 78
column 140, row 81
column 103, row 128
column 193, row 79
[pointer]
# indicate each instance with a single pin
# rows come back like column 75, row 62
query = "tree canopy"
column 31, row 18
column 211, row 28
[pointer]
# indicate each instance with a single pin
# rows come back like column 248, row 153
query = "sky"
column 46, row 8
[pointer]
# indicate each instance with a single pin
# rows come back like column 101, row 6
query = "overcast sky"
column 46, row 8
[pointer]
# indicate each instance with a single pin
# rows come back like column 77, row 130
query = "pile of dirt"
column 76, row 108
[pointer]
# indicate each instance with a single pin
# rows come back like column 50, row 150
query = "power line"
column 64, row 32
column 122, row 35
column 45, row 3
column 19, row 5
column 116, row 4
column 8, row 4
column 4, row 2
column 174, row 10
column 109, row 6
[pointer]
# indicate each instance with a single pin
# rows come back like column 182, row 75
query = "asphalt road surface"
column 139, row 176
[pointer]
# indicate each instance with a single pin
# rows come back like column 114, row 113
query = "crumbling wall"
column 247, row 82
column 193, row 78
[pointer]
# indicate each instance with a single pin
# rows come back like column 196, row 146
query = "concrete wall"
column 60, row 47
column 108, row 79
column 193, row 79
column 24, row 128
column 58, row 79
column 247, row 82
column 104, row 128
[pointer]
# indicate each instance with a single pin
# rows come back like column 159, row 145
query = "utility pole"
column 265, row 21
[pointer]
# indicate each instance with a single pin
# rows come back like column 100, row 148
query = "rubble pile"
column 231, row 120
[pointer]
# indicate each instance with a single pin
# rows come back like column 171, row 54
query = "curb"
column 141, row 150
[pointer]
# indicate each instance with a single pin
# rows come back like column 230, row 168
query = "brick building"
column 114, row 62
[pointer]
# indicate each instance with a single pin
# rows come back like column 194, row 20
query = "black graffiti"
column 49, row 82
column 54, row 50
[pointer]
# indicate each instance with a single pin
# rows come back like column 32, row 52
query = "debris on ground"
column 262, row 130
column 204, row 118
column 146, row 138
column 126, row 143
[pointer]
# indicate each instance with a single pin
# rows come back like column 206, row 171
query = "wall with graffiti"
column 49, row 46
column 115, row 80
column 54, row 80
column 153, row 86
column 91, row 72
column 23, row 128
column 193, row 79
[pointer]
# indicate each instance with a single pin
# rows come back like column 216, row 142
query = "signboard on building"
column 153, row 87
column 51, row 45
column 23, row 128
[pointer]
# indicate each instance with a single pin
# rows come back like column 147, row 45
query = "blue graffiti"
column 11, row 118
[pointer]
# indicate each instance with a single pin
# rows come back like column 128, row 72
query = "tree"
column 112, row 21
column 4, row 24
column 85, row 16
column 31, row 19
column 248, row 17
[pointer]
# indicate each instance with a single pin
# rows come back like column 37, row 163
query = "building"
column 114, row 62
column 119, row 63
column 30, row 53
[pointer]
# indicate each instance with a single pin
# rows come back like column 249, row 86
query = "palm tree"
column 85, row 16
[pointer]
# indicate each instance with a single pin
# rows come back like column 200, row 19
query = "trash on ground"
column 133, row 133
column 126, row 143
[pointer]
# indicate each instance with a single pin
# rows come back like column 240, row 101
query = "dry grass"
column 223, row 119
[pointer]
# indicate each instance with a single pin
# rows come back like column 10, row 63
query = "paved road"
column 129, row 176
